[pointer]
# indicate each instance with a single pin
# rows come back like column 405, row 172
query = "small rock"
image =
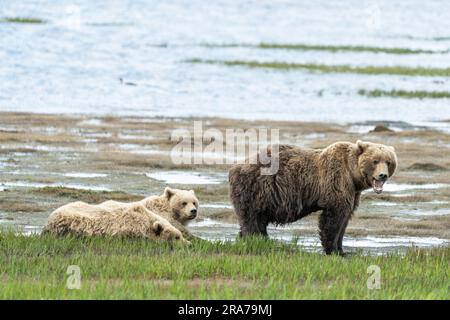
column 381, row 128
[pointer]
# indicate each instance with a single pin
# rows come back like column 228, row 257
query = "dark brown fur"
column 308, row 180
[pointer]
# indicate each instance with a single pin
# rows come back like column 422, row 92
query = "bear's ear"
column 168, row 193
column 361, row 146
column 157, row 228
column 192, row 191
column 392, row 148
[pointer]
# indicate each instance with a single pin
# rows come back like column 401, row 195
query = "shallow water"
column 72, row 63
column 215, row 230
column 398, row 187
column 85, row 175
column 186, row 177
column 424, row 213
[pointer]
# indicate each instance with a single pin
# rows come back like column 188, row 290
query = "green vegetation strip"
column 21, row 20
column 329, row 48
column 111, row 268
column 371, row 70
column 405, row 94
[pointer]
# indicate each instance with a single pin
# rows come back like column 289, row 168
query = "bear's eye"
column 184, row 203
column 388, row 163
column 375, row 161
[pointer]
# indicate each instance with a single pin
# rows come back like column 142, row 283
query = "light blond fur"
column 174, row 205
column 113, row 219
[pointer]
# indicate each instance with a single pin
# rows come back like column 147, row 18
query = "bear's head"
column 376, row 163
column 183, row 204
column 165, row 231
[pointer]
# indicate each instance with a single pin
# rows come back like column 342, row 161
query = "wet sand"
column 49, row 160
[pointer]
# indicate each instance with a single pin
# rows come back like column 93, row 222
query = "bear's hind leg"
column 256, row 226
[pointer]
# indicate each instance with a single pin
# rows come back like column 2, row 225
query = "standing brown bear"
column 310, row 180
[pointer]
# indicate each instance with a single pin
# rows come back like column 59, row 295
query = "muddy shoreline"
column 48, row 160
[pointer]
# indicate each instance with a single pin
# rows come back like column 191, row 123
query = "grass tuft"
column 371, row 70
column 329, row 48
column 25, row 20
column 405, row 94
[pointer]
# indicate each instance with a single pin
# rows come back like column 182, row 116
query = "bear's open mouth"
column 377, row 186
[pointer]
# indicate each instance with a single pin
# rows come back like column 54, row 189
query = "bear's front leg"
column 341, row 236
column 332, row 225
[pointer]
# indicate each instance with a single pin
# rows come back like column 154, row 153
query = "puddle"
column 91, row 122
column 398, row 195
column 84, row 175
column 382, row 242
column 136, row 148
column 378, row 243
column 95, row 134
column 210, row 157
column 393, row 187
column 207, row 222
column 126, row 136
column 406, row 219
column 437, row 202
column 45, row 174
column 31, row 230
column 47, row 130
column 385, row 204
column 185, row 177
column 217, row 231
column 149, row 152
column 399, row 187
column 216, row 206
column 425, row 213
column 46, row 148
column 8, row 129
column 7, row 165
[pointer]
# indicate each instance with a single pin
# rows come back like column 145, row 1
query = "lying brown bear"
column 309, row 180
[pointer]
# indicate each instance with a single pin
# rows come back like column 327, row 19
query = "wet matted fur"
column 309, row 180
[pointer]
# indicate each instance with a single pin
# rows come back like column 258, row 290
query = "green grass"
column 371, row 70
column 22, row 20
column 329, row 48
column 405, row 94
column 35, row 267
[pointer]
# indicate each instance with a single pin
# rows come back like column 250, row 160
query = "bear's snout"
column 382, row 176
column 193, row 213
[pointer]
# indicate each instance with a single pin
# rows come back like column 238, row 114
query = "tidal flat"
column 49, row 160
